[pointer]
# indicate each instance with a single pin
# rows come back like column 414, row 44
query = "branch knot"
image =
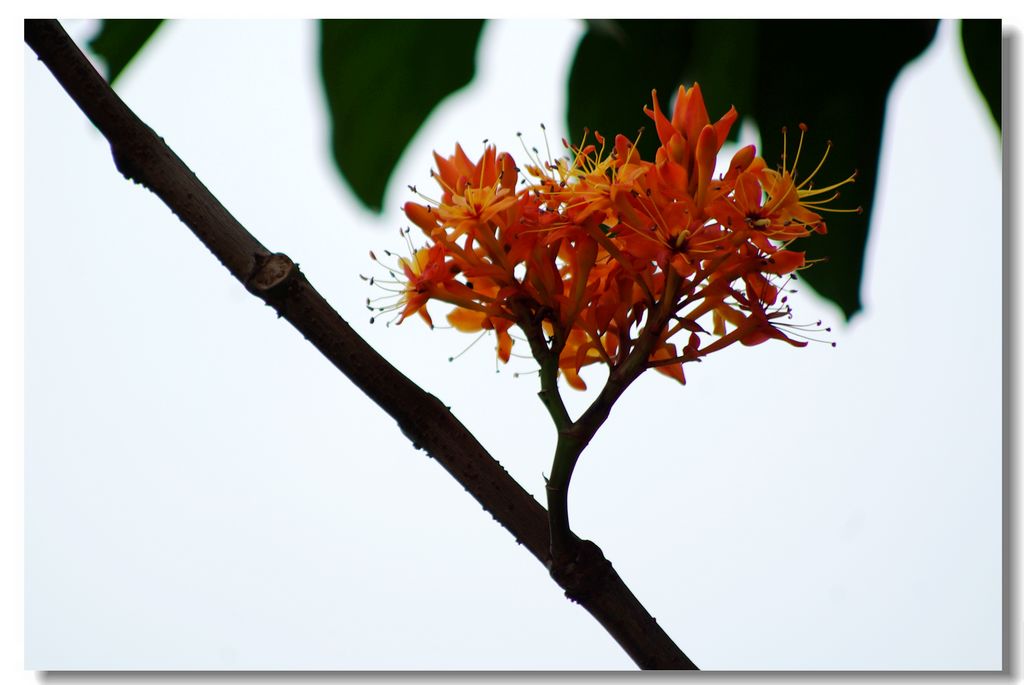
column 585, row 574
column 270, row 272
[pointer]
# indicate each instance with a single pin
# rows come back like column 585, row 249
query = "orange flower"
column 604, row 256
column 788, row 209
column 690, row 142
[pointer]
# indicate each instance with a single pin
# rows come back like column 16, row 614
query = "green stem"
column 574, row 436
column 547, row 356
column 567, row 452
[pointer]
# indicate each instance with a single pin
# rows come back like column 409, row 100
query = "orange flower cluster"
column 607, row 256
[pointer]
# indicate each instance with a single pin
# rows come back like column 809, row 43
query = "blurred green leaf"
column 840, row 93
column 119, row 40
column 617, row 64
column 723, row 57
column 382, row 79
column 982, row 41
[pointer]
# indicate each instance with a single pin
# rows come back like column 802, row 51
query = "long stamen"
column 812, row 191
column 532, row 156
column 547, row 145
column 797, row 331
column 429, row 200
column 469, row 346
column 799, row 147
column 785, row 145
column 440, row 181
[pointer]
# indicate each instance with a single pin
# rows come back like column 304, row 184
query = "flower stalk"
column 603, row 257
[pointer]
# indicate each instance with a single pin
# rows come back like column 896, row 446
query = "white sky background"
column 205, row 491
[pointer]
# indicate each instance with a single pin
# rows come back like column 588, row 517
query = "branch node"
column 583, row 575
column 270, row 272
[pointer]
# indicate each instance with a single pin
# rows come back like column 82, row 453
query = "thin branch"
column 635, row 363
column 547, row 356
column 564, row 544
column 143, row 157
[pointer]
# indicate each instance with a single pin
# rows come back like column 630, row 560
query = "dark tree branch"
column 143, row 157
